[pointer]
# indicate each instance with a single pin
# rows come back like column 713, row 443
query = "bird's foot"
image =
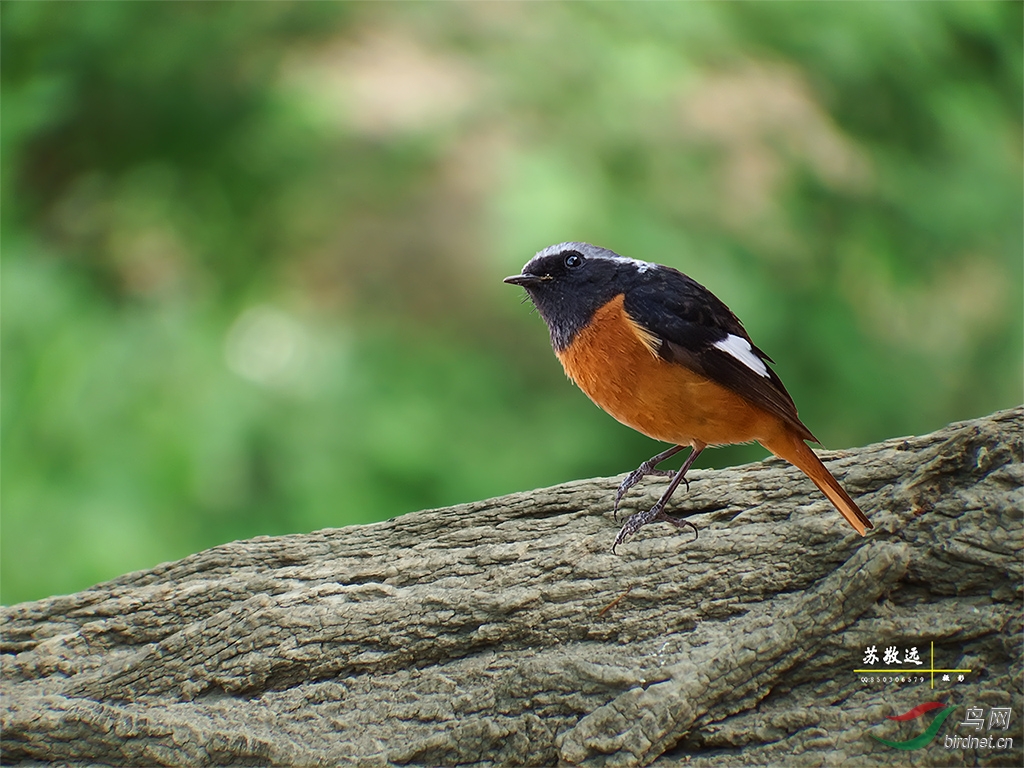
column 634, row 477
column 654, row 514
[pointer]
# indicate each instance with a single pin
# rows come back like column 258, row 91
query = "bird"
column 660, row 353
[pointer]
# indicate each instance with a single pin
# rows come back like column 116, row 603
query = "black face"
column 569, row 282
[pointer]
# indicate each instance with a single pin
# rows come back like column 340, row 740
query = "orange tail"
column 794, row 450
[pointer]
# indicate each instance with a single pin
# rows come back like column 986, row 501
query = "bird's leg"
column 657, row 512
column 645, row 469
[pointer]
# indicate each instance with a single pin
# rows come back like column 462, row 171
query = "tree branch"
column 505, row 632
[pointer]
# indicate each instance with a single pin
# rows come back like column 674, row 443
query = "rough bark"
column 505, row 631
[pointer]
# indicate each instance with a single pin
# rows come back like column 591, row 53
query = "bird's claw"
column 637, row 521
column 634, row 477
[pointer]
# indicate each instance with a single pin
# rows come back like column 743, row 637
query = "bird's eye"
column 573, row 260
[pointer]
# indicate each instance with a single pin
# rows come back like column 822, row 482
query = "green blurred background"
column 252, row 252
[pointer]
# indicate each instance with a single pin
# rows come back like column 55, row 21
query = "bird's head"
column 568, row 282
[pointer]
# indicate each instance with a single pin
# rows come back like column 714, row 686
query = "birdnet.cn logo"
column 998, row 720
column 891, row 668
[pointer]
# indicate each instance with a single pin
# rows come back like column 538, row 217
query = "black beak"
column 526, row 280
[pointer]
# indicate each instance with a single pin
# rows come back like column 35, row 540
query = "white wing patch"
column 739, row 348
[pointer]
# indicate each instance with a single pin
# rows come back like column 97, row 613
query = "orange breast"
column 615, row 362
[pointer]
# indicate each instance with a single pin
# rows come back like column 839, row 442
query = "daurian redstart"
column 663, row 355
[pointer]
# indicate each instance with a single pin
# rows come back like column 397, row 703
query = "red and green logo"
column 919, row 711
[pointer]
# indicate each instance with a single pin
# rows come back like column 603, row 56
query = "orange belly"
column 615, row 362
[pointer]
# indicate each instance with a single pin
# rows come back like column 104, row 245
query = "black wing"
column 689, row 320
